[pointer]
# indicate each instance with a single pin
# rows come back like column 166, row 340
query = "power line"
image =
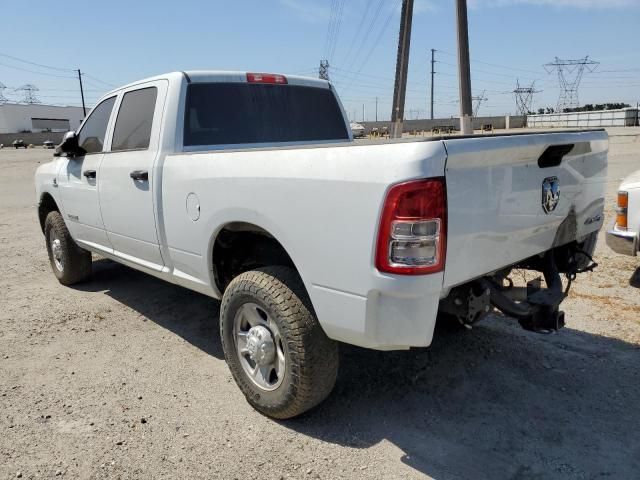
column 35, row 72
column 331, row 39
column 363, row 42
column 36, row 64
column 355, row 37
column 373, row 46
column 84, row 74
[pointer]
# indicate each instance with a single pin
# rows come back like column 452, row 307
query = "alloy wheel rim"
column 56, row 252
column 259, row 346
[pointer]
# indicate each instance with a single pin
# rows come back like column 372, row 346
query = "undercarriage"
column 536, row 303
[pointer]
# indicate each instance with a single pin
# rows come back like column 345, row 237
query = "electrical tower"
column 478, row 102
column 323, row 72
column 29, row 93
column 570, row 74
column 524, row 98
column 3, row 99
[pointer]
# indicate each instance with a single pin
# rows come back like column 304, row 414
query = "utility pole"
column 433, row 71
column 363, row 112
column 402, row 63
column 464, row 69
column 84, row 109
column 376, row 109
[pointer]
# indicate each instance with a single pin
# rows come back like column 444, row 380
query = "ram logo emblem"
column 550, row 194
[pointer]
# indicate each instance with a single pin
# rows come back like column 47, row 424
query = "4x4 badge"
column 550, row 194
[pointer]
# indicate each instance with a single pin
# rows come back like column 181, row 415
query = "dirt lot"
column 124, row 377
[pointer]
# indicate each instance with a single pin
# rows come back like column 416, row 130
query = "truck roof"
column 212, row 76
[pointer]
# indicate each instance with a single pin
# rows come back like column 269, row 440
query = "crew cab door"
column 78, row 180
column 126, row 175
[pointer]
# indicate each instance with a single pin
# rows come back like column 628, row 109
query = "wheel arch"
column 46, row 205
column 239, row 246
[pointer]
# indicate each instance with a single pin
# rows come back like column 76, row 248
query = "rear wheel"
column 277, row 352
column 70, row 263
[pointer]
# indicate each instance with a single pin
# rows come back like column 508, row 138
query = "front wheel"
column 275, row 348
column 70, row 263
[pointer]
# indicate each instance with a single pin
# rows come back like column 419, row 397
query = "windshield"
column 242, row 113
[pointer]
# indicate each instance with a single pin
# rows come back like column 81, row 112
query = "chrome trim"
column 622, row 241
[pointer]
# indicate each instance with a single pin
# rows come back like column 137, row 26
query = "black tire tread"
column 77, row 260
column 313, row 356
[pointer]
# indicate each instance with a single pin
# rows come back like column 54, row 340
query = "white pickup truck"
column 248, row 187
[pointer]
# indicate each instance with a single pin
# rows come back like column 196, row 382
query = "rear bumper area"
column 622, row 241
column 396, row 313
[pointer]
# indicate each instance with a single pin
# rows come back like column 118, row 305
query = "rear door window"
column 135, row 119
column 242, row 113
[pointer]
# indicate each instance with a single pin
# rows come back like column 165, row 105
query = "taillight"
column 266, row 78
column 412, row 234
column 621, row 211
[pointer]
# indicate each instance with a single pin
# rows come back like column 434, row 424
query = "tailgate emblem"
column 550, row 194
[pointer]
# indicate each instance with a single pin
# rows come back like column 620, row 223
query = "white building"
column 15, row 118
column 624, row 117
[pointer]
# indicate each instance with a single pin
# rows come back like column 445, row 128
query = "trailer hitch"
column 539, row 310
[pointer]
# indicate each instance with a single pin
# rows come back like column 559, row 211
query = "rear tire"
column 70, row 263
column 271, row 303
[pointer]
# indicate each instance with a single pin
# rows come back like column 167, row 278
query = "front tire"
column 70, row 263
column 275, row 348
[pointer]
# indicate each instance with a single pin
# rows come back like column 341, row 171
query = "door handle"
column 89, row 173
column 141, row 175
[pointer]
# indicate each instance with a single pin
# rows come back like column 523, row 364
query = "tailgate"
column 503, row 202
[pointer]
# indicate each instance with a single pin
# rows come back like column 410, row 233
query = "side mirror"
column 69, row 146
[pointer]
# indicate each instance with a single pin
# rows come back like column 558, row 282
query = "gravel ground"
column 124, row 377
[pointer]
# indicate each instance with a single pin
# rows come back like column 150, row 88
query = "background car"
column 624, row 236
column 357, row 130
column 48, row 144
column 19, row 144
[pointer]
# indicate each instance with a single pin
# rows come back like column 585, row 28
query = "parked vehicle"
column 624, row 236
column 19, row 144
column 247, row 187
column 48, row 144
column 357, row 130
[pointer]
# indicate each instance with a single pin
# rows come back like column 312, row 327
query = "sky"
column 117, row 42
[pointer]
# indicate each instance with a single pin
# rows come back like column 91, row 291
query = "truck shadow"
column 634, row 281
column 188, row 314
column 496, row 402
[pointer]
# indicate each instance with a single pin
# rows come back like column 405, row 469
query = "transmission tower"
column 3, row 99
column 29, row 93
column 323, row 72
column 524, row 98
column 570, row 74
column 478, row 100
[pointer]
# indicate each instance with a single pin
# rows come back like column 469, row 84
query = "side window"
column 135, row 118
column 91, row 135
